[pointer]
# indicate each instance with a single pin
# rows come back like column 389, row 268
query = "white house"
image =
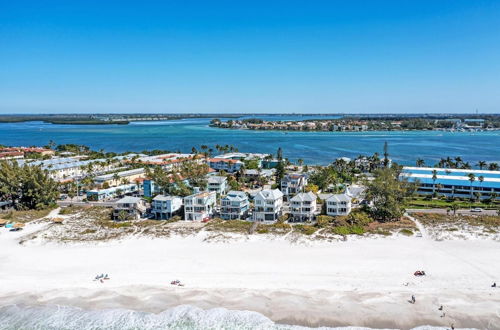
column 165, row 207
column 268, row 205
column 199, row 206
column 292, row 184
column 234, row 205
column 303, row 207
column 131, row 207
column 217, row 184
column 339, row 204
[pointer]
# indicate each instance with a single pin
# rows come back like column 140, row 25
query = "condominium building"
column 225, row 164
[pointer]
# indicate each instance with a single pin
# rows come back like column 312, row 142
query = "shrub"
column 407, row 232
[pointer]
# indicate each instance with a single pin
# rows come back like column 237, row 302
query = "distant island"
column 368, row 123
column 102, row 119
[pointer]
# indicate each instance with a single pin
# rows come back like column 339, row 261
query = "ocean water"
column 312, row 147
column 178, row 318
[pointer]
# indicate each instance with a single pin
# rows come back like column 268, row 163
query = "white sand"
column 358, row 282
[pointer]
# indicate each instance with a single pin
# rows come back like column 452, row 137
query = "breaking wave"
column 15, row 317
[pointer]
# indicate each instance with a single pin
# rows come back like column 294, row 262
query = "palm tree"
column 472, row 178
column 434, row 178
column 116, row 178
column 493, row 166
column 454, row 208
column 481, row 164
column 420, row 162
column 300, row 161
column 458, row 161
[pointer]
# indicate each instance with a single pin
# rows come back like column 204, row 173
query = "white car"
column 477, row 209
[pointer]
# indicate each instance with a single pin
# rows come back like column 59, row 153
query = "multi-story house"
column 268, row 205
column 303, row 207
column 225, row 164
column 292, row 184
column 129, row 208
column 234, row 205
column 217, row 184
column 338, row 204
column 165, row 207
column 199, row 206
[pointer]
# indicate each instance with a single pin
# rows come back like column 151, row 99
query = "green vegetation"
column 238, row 226
column 25, row 216
column 28, row 187
column 473, row 220
column 305, row 229
column 388, row 194
column 423, row 202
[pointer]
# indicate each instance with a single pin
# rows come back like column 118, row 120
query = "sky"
column 250, row 56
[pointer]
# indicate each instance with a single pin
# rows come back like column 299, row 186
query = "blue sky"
column 250, row 56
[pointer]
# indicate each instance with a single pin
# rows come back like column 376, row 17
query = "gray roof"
column 339, row 198
column 120, row 174
column 236, row 195
column 304, row 197
column 217, row 179
column 268, row 193
column 165, row 198
column 128, row 200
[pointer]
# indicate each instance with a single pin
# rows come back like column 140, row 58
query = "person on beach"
column 494, row 285
column 440, row 308
column 413, row 300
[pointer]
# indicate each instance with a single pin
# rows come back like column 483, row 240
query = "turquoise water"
column 312, row 147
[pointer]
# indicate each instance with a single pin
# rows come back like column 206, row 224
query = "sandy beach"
column 359, row 282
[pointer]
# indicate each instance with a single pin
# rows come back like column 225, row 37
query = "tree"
column 420, row 162
column 300, row 161
column 123, row 215
column 455, row 208
column 28, row 187
column 493, row 166
column 279, row 154
column 386, row 154
column 387, row 193
column 313, row 188
column 280, row 171
column 481, row 164
column 472, row 178
column 434, row 178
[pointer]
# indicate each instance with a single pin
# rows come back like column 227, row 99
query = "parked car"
column 477, row 209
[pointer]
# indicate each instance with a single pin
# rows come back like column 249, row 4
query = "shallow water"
column 312, row 147
column 181, row 317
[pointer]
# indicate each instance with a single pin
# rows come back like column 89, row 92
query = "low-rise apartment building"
column 292, row 184
column 225, row 164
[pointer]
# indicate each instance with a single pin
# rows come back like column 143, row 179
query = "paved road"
column 461, row 211
column 68, row 203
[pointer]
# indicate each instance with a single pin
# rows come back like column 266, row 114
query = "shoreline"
column 318, row 308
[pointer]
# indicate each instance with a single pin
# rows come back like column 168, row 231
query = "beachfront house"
column 199, row 206
column 268, row 205
column 165, row 207
column 292, row 184
column 129, row 208
column 338, row 205
column 303, row 207
column 234, row 205
column 217, row 184
column 225, row 164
